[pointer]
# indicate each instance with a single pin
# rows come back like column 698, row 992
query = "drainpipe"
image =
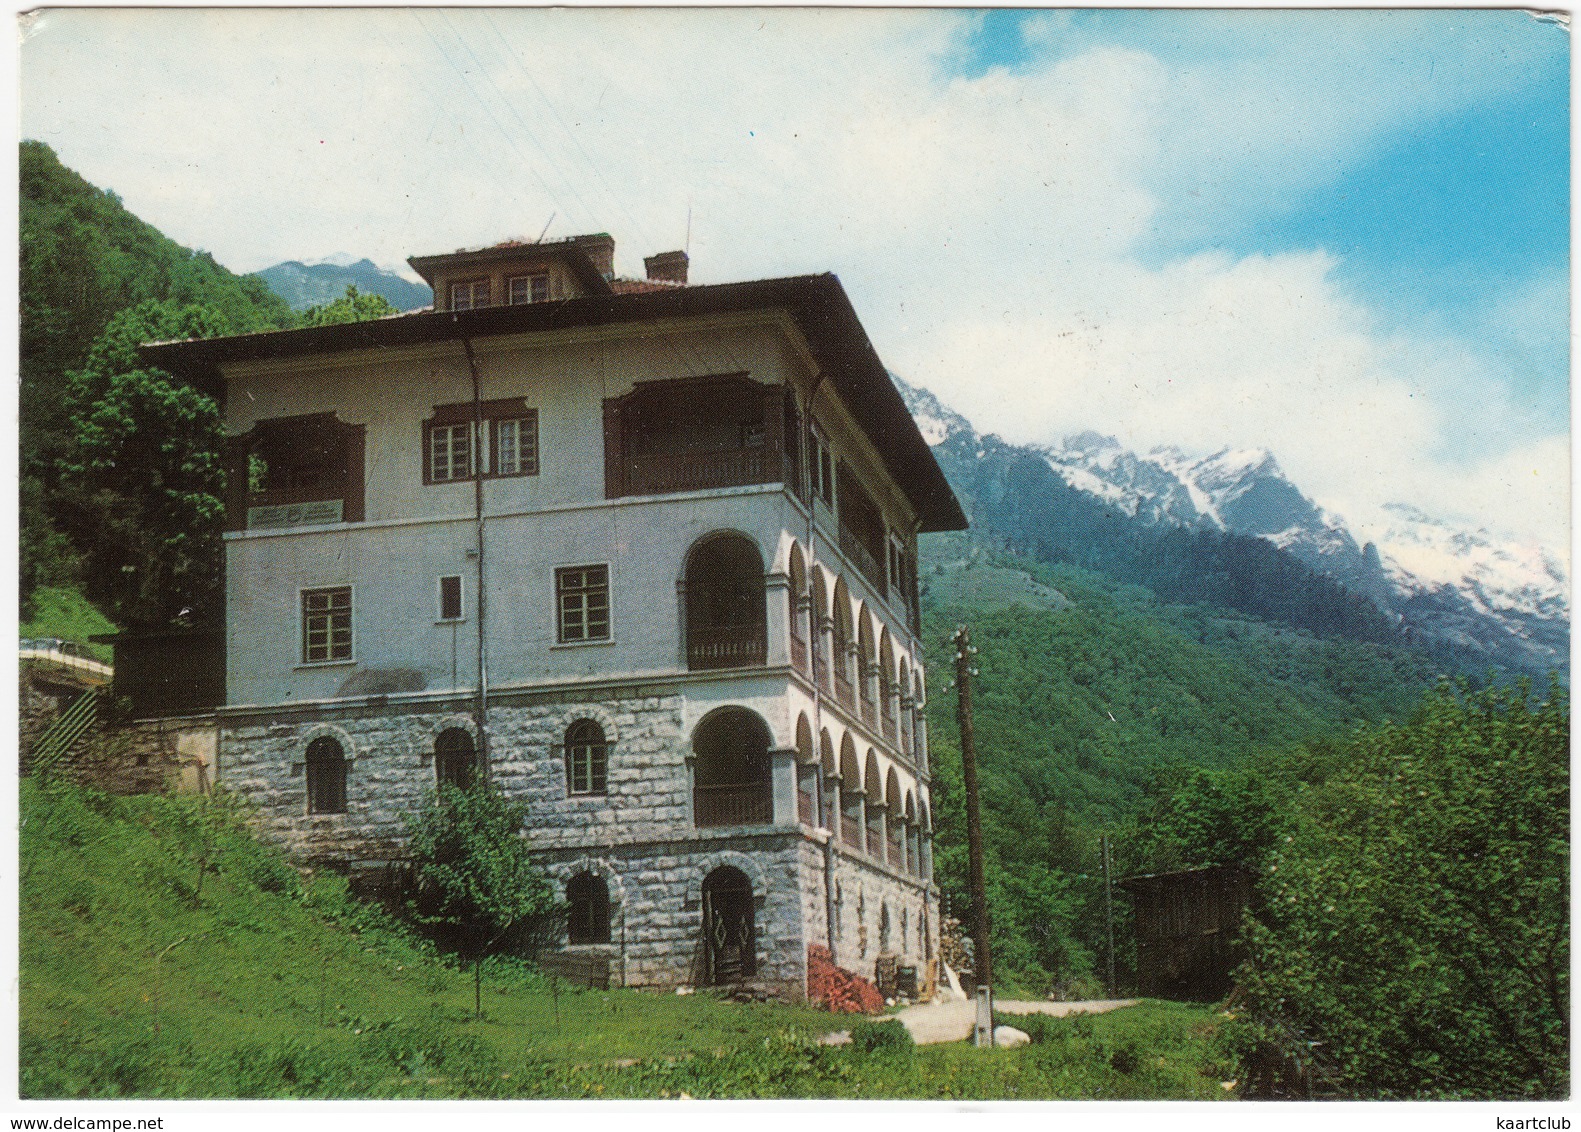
column 479, row 445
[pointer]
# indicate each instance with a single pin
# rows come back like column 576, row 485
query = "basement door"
column 729, row 933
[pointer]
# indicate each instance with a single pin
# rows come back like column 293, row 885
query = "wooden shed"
column 1187, row 930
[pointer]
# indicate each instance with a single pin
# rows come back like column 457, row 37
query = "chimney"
column 667, row 267
column 601, row 250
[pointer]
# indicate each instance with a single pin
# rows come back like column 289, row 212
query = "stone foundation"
column 638, row 837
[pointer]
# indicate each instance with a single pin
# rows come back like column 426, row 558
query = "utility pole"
column 983, row 1032
column 1108, row 906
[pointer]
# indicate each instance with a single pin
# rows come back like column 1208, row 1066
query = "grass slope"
column 58, row 611
column 144, row 975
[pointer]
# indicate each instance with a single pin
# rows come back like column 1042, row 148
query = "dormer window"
column 470, row 295
column 529, row 288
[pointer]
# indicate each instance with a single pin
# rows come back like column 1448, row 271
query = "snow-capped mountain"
column 1503, row 601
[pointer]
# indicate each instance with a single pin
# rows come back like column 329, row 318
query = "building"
column 1188, row 928
column 643, row 553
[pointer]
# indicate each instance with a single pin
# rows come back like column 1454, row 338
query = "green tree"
column 1416, row 917
column 1213, row 817
column 353, row 306
column 145, row 485
column 477, row 887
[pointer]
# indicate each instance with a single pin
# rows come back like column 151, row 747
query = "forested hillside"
column 96, row 429
column 1093, row 711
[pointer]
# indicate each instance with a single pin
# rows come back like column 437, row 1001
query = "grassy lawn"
column 142, row 975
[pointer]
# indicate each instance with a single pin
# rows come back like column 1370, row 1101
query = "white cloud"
column 991, row 229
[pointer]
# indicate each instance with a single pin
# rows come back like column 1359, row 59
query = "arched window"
column 726, row 622
column 587, row 918
column 818, row 615
column 886, row 686
column 883, row 928
column 799, row 602
column 586, row 758
column 806, row 775
column 455, row 761
column 731, row 784
column 841, row 661
column 866, row 666
column 326, row 777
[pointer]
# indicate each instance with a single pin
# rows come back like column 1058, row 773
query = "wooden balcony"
column 862, row 560
column 726, row 646
column 700, row 471
column 749, row 804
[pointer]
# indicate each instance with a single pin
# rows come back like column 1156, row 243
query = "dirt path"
column 952, row 1021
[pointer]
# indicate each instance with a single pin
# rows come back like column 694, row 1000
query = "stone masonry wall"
column 863, row 890
column 656, row 913
column 638, row 836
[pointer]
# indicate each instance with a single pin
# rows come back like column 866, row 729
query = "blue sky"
column 1339, row 235
column 1433, row 225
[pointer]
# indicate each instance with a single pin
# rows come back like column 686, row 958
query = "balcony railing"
column 798, row 653
column 851, row 830
column 864, row 562
column 700, row 471
column 843, row 690
column 750, row 804
column 725, row 646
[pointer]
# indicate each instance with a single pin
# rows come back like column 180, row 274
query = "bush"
column 874, row 1037
column 1416, row 918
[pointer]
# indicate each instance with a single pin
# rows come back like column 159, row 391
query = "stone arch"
column 433, row 726
column 831, row 768
column 735, row 859
column 595, row 712
column 601, row 867
column 892, row 796
column 349, row 749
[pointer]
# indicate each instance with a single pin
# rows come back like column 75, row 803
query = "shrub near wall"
column 838, row 990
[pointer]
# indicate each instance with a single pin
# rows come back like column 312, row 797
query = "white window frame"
column 526, row 426
column 528, row 279
column 472, row 287
column 560, row 607
column 450, row 431
column 303, row 630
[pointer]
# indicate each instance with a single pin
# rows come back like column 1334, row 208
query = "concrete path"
column 952, row 1021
